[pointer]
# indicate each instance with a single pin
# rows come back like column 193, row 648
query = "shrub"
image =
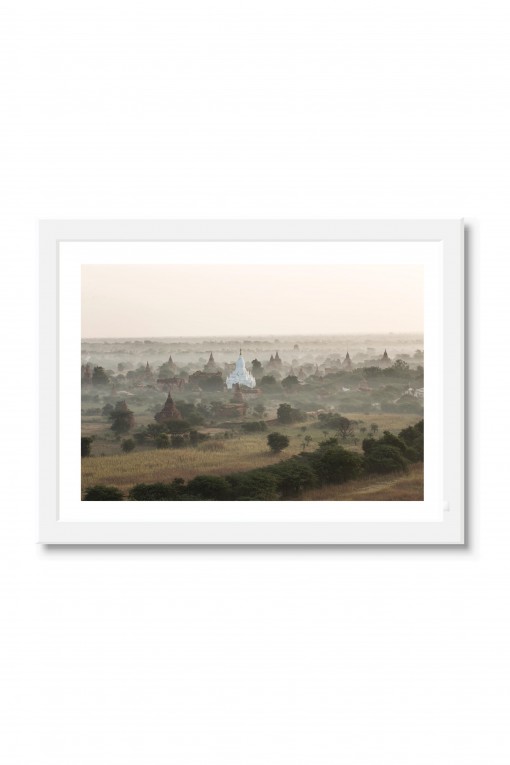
column 162, row 441
column 86, row 443
column 334, row 464
column 212, row 487
column 277, row 442
column 141, row 437
column 128, row 445
column 253, row 485
column 293, row 476
column 383, row 458
column 367, row 444
column 158, row 492
column 99, row 377
column 268, row 382
column 412, row 455
column 254, row 427
column 286, row 414
column 100, row 493
column 290, row 382
column 122, row 418
column 177, row 441
column 392, row 440
column 154, row 492
column 344, row 426
column 413, row 438
column 190, row 413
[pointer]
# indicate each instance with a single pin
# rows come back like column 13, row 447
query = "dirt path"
column 395, row 487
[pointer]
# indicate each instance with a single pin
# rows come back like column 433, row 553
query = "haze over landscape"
column 253, row 382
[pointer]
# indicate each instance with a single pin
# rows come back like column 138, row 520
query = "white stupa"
column 240, row 375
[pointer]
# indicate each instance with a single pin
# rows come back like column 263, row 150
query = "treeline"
column 329, row 464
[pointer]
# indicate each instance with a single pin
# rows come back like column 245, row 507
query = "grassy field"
column 214, row 458
column 109, row 465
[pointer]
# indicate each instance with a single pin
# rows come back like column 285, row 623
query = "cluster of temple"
column 214, row 376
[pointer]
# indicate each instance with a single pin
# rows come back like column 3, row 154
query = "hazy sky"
column 187, row 300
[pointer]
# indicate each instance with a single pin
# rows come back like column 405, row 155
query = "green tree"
column 413, row 438
column 99, row 377
column 162, row 441
column 290, row 383
column 210, row 487
column 86, row 443
column 128, row 444
column 122, row 418
column 383, row 458
column 256, row 367
column 158, row 492
column 254, row 427
column 345, row 428
column 277, row 442
column 254, row 485
column 401, row 366
column 101, row 493
column 268, row 381
column 286, row 414
column 392, row 440
column 190, row 413
column 293, row 476
column 334, row 464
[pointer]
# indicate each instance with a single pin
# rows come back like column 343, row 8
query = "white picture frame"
column 446, row 529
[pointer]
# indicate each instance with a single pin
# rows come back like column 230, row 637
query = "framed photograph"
column 252, row 382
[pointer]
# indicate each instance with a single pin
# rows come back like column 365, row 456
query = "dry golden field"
column 214, row 458
column 109, row 465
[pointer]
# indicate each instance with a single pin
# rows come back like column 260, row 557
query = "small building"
column 274, row 362
column 385, row 360
column 169, row 411
column 211, row 365
column 171, row 365
column 347, row 363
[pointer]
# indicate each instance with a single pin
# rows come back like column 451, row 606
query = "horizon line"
column 233, row 337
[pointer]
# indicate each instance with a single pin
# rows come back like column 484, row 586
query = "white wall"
column 270, row 109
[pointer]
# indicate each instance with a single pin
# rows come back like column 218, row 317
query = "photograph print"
column 245, row 381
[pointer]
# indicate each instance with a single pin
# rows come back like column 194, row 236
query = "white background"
column 269, row 109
